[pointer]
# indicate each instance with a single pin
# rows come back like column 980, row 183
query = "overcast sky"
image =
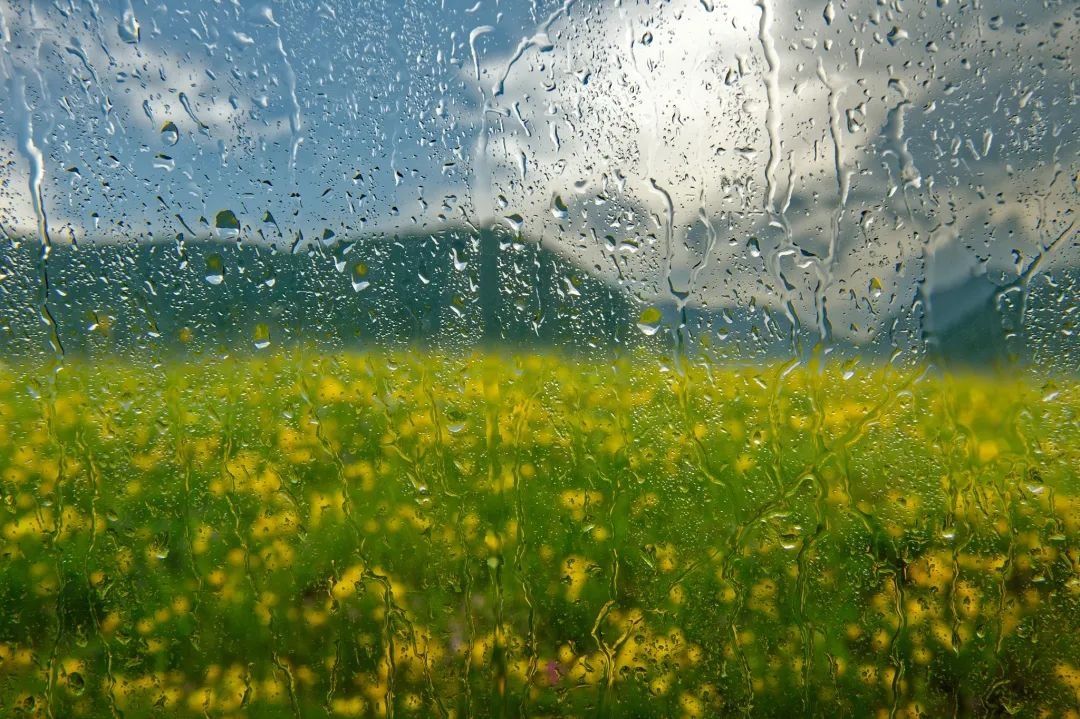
column 706, row 151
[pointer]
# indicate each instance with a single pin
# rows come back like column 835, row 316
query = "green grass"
column 500, row 535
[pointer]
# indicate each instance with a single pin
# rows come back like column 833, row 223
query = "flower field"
column 412, row 534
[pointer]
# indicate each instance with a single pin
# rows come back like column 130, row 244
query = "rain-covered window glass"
column 539, row 358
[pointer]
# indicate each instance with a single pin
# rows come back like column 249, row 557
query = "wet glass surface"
column 695, row 358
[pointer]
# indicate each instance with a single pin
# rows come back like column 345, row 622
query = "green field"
column 519, row 535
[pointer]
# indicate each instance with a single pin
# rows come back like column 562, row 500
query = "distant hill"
column 453, row 289
column 980, row 322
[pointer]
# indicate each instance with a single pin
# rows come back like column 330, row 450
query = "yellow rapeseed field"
column 413, row 534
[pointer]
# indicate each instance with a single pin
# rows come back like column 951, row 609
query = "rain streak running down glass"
column 539, row 358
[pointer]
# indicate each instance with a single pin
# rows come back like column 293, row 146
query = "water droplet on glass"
column 76, row 683
column 128, row 27
column 515, row 222
column 215, row 269
column 160, row 547
column 897, row 35
column 791, row 539
column 261, row 336
column 649, row 321
column 459, row 264
column 170, row 134
column 226, row 226
column 359, row 272
column 559, row 208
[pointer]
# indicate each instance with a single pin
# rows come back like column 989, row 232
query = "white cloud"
column 667, row 107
